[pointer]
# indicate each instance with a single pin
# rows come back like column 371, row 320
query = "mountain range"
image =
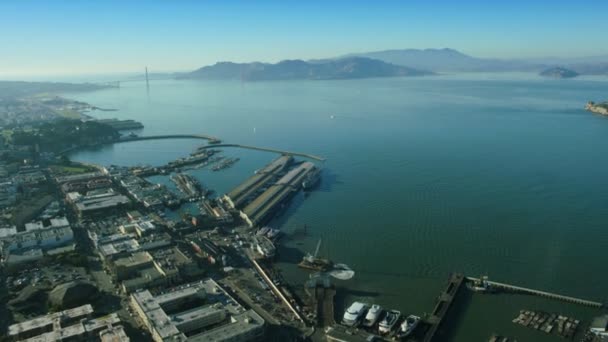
column 392, row 63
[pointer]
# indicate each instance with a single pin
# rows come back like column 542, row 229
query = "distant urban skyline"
column 66, row 38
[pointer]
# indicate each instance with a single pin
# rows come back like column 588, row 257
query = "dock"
column 525, row 290
column 444, row 302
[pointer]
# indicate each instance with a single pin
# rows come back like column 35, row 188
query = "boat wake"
column 342, row 272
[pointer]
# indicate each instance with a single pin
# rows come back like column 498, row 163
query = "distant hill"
column 450, row 60
column 558, row 72
column 16, row 89
column 444, row 60
column 343, row 68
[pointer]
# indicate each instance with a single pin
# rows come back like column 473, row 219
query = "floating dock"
column 525, row 290
column 240, row 195
column 444, row 302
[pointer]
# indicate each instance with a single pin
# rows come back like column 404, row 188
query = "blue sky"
column 71, row 37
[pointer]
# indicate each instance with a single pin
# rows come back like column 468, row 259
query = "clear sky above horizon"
column 94, row 37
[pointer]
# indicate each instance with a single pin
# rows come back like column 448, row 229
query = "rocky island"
column 598, row 108
column 558, row 72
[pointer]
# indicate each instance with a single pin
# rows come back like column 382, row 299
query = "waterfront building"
column 201, row 311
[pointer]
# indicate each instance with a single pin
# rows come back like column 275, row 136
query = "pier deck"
column 259, row 209
column 520, row 289
column 239, row 195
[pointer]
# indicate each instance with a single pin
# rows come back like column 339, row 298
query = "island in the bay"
column 598, row 108
column 558, row 72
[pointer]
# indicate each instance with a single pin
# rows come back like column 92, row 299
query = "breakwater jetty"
column 213, row 142
column 266, row 149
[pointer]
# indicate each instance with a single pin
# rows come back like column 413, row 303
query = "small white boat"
column 372, row 315
column 408, row 326
column 389, row 321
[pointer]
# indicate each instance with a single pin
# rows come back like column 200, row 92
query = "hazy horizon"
column 67, row 38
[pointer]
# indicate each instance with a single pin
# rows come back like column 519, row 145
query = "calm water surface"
column 485, row 174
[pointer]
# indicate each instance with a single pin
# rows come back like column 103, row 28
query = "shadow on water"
column 328, row 180
column 405, row 275
column 290, row 255
column 454, row 317
column 282, row 215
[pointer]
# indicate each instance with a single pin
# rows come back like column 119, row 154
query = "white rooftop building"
column 28, row 245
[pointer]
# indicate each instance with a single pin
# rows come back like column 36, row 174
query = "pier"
column 260, row 209
column 525, row 290
column 444, row 302
column 260, row 180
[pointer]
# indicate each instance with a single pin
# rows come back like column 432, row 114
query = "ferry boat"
column 354, row 314
column 408, row 326
column 389, row 321
column 311, row 179
column 372, row 315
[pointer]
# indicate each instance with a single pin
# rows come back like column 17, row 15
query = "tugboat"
column 313, row 262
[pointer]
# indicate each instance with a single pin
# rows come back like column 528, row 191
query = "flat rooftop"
column 218, row 305
column 43, row 321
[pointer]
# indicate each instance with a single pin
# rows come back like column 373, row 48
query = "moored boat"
column 388, row 322
column 372, row 315
column 408, row 326
column 354, row 314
